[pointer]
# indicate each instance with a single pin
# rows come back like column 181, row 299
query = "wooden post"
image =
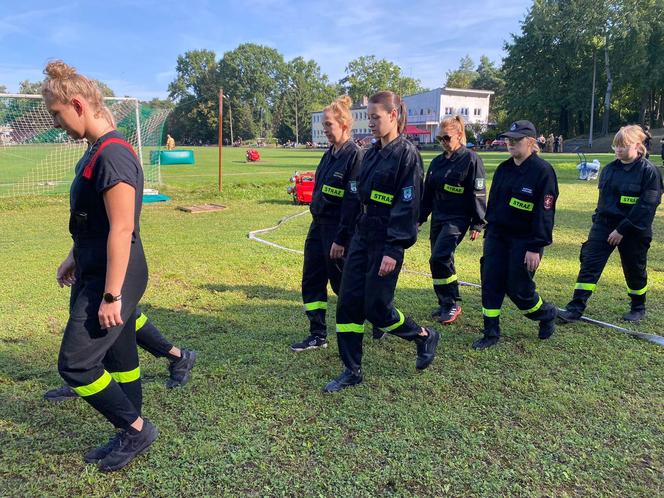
column 221, row 121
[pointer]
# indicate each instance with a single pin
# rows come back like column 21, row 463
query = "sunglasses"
column 444, row 138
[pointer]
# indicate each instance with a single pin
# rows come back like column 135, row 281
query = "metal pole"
column 592, row 103
column 139, row 142
column 230, row 118
column 221, row 114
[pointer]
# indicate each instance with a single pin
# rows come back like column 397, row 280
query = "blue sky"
column 133, row 46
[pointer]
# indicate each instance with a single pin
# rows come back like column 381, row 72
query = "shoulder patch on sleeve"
column 548, row 202
column 353, row 186
column 407, row 194
column 479, row 183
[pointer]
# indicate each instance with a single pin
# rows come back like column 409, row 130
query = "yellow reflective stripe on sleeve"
column 638, row 292
column 350, row 327
column 453, row 188
column 522, row 205
column 586, row 287
column 402, row 319
column 445, row 281
column 98, row 385
column 315, row 305
column 534, row 308
column 626, row 199
column 140, row 321
column 490, row 313
column 381, row 197
column 336, row 192
column 124, row 377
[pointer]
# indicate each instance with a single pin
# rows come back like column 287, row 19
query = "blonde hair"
column 391, row 101
column 457, row 124
column 532, row 142
column 63, row 82
column 340, row 108
column 629, row 135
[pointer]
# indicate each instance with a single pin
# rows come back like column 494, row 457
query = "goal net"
column 36, row 158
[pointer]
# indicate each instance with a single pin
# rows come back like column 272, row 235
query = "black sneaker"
column 436, row 312
column 181, row 368
column 311, row 342
column 60, row 394
column 96, row 454
column 129, row 447
column 346, row 379
column 546, row 328
column 377, row 333
column 449, row 314
column 567, row 316
column 426, row 351
column 485, row 342
column 634, row 316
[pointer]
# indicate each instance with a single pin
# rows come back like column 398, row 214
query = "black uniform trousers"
column 445, row 237
column 317, row 271
column 102, row 365
column 503, row 273
column 149, row 338
column 366, row 296
column 595, row 252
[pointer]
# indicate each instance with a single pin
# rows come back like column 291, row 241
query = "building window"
column 478, row 112
column 421, row 112
column 448, row 111
column 428, row 111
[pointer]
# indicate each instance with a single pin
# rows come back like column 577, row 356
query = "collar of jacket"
column 341, row 149
column 460, row 152
column 629, row 166
column 387, row 150
column 524, row 166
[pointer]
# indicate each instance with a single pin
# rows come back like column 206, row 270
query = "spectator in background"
column 560, row 143
column 648, row 140
column 170, row 142
column 556, row 144
column 541, row 141
column 549, row 143
column 662, row 144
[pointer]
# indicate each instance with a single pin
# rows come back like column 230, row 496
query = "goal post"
column 36, row 158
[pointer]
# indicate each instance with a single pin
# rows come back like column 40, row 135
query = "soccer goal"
column 36, row 158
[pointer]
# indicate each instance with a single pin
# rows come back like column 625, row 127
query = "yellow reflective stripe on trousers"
column 350, row 327
column 445, row 281
column 315, row 305
column 522, row 205
column 336, row 192
column 490, row 313
column 98, row 385
column 628, row 199
column 638, row 292
column 453, row 188
column 534, row 308
column 124, row 377
column 140, row 321
column 395, row 325
column 382, row 197
column 586, row 287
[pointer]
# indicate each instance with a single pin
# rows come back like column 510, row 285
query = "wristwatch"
column 110, row 298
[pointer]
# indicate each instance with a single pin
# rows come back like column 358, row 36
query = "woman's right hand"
column 336, row 251
column 66, row 273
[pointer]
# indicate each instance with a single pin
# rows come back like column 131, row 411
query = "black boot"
column 426, row 349
column 491, row 333
column 61, row 393
column 130, row 445
column 637, row 310
column 347, row 378
column 568, row 316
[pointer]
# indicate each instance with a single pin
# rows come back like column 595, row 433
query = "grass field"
column 580, row 414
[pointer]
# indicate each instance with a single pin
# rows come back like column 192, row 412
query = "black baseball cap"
column 520, row 129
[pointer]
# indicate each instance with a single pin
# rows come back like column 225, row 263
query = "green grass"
column 580, row 414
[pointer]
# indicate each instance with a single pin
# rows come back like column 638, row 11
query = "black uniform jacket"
column 334, row 199
column 390, row 189
column 522, row 201
column 629, row 195
column 454, row 187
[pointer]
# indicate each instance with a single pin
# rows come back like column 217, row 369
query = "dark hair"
column 391, row 101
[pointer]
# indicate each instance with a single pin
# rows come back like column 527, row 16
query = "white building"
column 425, row 111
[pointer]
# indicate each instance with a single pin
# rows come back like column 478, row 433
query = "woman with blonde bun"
column 106, row 267
column 630, row 189
column 334, row 207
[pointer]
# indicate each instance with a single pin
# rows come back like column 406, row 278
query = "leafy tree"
column 367, row 75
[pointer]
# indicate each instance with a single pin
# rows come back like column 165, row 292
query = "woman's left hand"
column 387, row 266
column 532, row 260
column 474, row 234
column 110, row 314
column 615, row 238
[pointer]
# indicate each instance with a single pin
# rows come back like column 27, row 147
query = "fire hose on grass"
column 253, row 235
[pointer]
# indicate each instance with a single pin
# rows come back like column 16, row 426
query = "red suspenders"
column 89, row 167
